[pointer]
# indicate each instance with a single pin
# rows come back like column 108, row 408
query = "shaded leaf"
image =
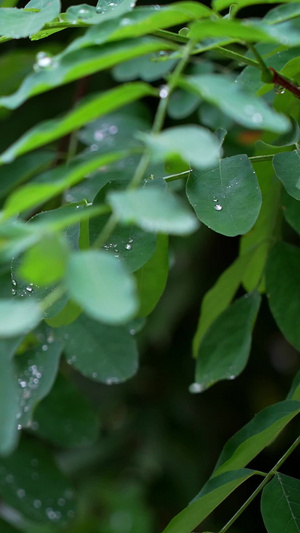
column 286, row 166
column 225, row 347
column 23, row 169
column 101, row 286
column 280, row 504
column 212, row 494
column 108, row 355
column 219, row 195
column 217, row 299
column 65, row 417
column 153, row 210
column 282, row 282
column 256, row 435
column 8, row 396
column 291, row 212
column 152, row 277
column 32, row 483
column 35, row 371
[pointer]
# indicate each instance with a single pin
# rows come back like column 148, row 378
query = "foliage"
column 153, row 106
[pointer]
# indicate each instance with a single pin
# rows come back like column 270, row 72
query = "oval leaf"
column 153, row 210
column 108, row 355
column 282, row 283
column 280, row 505
column 286, row 166
column 101, row 286
column 17, row 317
column 225, row 348
column 219, row 196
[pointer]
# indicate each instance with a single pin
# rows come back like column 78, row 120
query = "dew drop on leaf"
column 218, row 207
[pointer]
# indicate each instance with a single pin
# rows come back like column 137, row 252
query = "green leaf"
column 282, row 13
column 241, row 106
column 290, row 209
column 45, row 262
column 225, row 347
column 282, row 282
column 144, row 67
column 222, row 4
column 54, row 182
column 152, row 277
column 8, row 396
column 153, row 210
column 128, row 244
column 219, row 195
column 65, row 417
column 212, row 494
column 286, row 166
column 24, row 168
column 294, row 392
column 289, row 138
column 18, row 317
column 95, row 15
column 217, row 299
column 32, row 484
column 89, row 109
column 182, row 104
column 36, row 370
column 267, row 227
column 108, row 354
column 101, row 286
column 65, row 316
column 194, row 144
column 280, row 504
column 255, row 436
column 248, row 30
column 80, row 63
column 16, row 23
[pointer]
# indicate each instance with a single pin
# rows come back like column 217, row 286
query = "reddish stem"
column 283, row 82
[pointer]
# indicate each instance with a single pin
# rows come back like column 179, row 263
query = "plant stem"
column 261, row 158
column 266, row 74
column 52, row 297
column 261, row 485
column 156, row 127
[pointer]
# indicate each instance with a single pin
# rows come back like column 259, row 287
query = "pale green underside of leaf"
column 280, row 505
column 244, row 108
column 82, row 63
column 255, row 436
column 195, row 144
column 101, row 286
column 18, row 317
column 215, row 491
column 153, row 210
column 89, row 109
column 16, row 23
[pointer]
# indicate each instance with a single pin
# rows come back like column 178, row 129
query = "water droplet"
column 164, row 91
column 21, row 493
column 232, row 376
column 194, row 388
column 44, row 347
column 130, row 241
column 29, row 288
column 43, row 61
column 37, row 504
column 257, row 118
column 98, row 9
column 113, row 130
column 128, row 246
column 61, row 502
column 13, row 291
column 19, row 427
column 94, row 375
column 86, row 12
column 132, row 331
column 279, row 89
column 125, row 22
column 218, row 207
column 111, row 381
column 22, row 383
column 99, row 135
column 14, row 282
column 9, row 478
column 215, row 199
column 94, row 148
